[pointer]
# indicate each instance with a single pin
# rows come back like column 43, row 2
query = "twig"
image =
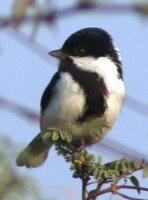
column 53, row 15
column 84, row 189
column 114, row 189
column 98, row 188
column 35, row 46
column 92, row 195
column 19, row 109
column 106, row 182
column 118, row 179
column 93, row 182
column 131, row 187
column 128, row 197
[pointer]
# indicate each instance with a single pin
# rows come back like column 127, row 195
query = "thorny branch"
column 92, row 171
column 115, row 190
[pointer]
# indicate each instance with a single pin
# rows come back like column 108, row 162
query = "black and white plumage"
column 88, row 84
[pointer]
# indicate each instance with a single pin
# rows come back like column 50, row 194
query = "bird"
column 88, row 84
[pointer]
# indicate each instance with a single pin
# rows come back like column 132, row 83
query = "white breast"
column 115, row 99
column 115, row 87
column 106, row 69
column 68, row 101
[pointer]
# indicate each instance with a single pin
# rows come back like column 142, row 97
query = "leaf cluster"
column 71, row 143
column 85, row 133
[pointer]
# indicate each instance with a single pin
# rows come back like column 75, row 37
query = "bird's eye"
column 80, row 51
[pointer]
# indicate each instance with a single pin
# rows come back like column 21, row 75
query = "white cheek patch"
column 106, row 69
column 103, row 66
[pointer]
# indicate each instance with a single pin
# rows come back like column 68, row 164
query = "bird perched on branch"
column 88, row 84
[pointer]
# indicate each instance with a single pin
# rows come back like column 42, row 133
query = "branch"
column 97, row 8
column 115, row 190
column 98, row 193
column 128, row 197
column 84, row 189
column 85, row 165
column 33, row 45
column 19, row 109
column 132, row 187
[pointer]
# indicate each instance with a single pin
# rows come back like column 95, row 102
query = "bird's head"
column 86, row 46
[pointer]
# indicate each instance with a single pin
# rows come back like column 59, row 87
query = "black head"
column 89, row 42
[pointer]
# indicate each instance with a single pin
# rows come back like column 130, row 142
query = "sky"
column 25, row 74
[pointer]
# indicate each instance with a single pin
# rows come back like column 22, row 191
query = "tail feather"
column 34, row 154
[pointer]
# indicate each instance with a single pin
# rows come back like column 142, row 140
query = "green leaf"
column 68, row 137
column 135, row 182
column 46, row 136
column 104, row 175
column 62, row 135
column 113, row 174
column 55, row 136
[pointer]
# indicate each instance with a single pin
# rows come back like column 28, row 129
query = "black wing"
column 49, row 91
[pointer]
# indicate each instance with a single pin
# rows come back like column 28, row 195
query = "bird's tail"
column 34, row 154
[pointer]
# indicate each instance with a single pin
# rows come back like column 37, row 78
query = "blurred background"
column 29, row 30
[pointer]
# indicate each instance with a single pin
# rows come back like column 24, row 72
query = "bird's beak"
column 57, row 54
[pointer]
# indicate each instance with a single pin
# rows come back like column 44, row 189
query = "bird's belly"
column 68, row 102
column 67, row 109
